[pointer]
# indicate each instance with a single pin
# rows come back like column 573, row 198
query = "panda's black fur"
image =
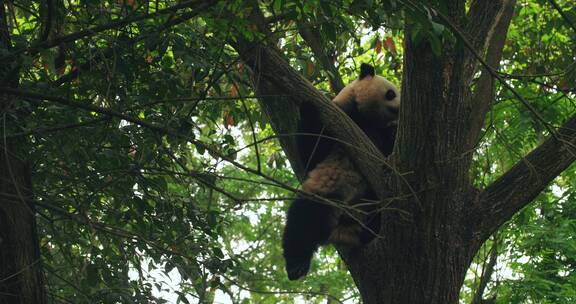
column 372, row 103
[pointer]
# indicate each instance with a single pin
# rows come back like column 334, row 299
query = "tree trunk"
column 21, row 277
column 425, row 247
column 428, row 239
column 413, row 264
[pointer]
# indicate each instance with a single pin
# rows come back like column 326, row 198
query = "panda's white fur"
column 369, row 93
column 372, row 102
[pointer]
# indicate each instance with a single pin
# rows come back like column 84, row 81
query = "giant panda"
column 372, row 102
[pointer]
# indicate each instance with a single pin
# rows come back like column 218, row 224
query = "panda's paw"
column 297, row 269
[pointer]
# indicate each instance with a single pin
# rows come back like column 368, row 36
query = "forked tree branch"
column 485, row 18
column 447, row 86
column 488, row 268
column 526, row 179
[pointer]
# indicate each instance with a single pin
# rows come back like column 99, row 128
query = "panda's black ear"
column 365, row 70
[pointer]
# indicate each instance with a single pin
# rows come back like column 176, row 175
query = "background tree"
column 150, row 140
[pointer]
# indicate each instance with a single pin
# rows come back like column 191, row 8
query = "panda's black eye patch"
column 390, row 94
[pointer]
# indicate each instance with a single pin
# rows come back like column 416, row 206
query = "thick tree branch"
column 312, row 37
column 485, row 18
column 440, row 100
column 282, row 112
column 485, row 93
column 525, row 180
column 8, row 73
column 487, row 271
column 49, row 10
column 459, row 34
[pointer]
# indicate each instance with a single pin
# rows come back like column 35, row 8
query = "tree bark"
column 21, row 276
column 525, row 180
column 485, row 93
column 414, row 257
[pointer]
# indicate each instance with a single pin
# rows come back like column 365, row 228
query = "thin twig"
column 58, row 128
column 46, row 44
column 563, row 15
column 191, row 172
column 281, row 291
column 254, row 140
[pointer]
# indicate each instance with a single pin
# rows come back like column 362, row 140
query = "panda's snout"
column 394, row 110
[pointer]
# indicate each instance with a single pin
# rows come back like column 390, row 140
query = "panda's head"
column 376, row 99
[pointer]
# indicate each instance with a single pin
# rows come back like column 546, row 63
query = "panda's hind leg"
column 309, row 224
column 355, row 229
column 350, row 233
column 346, row 235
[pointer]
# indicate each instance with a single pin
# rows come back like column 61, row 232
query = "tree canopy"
column 146, row 137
